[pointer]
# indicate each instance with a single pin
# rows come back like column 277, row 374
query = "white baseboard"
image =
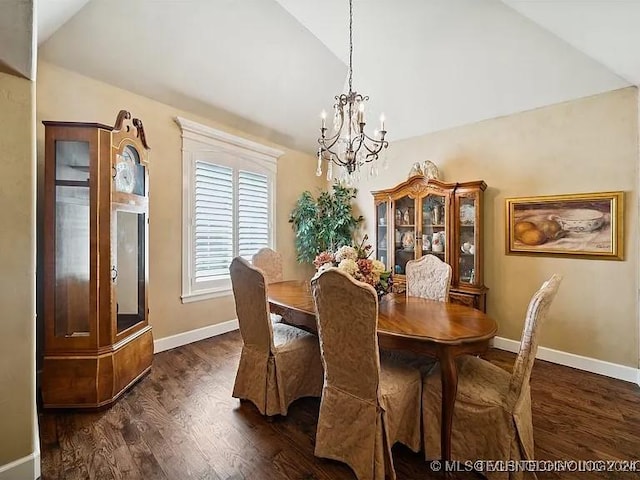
column 25, row 468
column 167, row 343
column 608, row 369
column 36, row 465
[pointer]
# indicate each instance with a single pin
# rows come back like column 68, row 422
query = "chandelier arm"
column 372, row 155
column 334, row 157
column 330, row 140
column 374, row 151
column 334, row 139
column 359, row 141
column 377, row 140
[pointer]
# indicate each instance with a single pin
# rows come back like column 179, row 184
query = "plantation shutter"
column 253, row 213
column 212, row 222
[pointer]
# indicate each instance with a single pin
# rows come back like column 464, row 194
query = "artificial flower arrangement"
column 355, row 261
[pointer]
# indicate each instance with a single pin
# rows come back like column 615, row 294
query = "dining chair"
column 270, row 262
column 428, row 277
column 367, row 405
column 492, row 414
column 279, row 363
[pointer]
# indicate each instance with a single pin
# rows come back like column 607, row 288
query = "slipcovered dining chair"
column 270, row 262
column 367, row 405
column 492, row 413
column 428, row 277
column 279, row 363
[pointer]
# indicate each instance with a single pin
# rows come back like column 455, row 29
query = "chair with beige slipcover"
column 279, row 363
column 367, row 405
column 428, row 277
column 492, row 414
column 270, row 262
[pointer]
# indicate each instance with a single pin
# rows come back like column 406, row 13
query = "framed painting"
column 584, row 225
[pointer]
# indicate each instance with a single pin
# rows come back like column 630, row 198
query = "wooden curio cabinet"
column 97, row 338
column 420, row 217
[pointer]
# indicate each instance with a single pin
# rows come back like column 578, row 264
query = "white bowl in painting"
column 580, row 220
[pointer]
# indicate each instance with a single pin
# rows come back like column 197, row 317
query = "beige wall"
column 64, row 95
column 17, row 267
column 581, row 146
column 587, row 145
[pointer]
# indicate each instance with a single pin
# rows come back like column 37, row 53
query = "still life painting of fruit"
column 587, row 225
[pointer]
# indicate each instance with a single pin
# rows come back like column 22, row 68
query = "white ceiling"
column 52, row 14
column 270, row 66
column 440, row 63
column 606, row 30
column 248, row 63
column 17, row 46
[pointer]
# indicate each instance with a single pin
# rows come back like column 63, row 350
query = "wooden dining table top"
column 402, row 316
column 427, row 327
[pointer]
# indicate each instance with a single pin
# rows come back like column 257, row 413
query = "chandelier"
column 347, row 145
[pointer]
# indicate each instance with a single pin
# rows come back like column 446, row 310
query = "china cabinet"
column 426, row 216
column 97, row 339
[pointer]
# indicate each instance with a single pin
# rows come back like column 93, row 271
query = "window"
column 228, row 206
column 253, row 213
column 212, row 222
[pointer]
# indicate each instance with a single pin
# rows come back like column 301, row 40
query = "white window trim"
column 200, row 142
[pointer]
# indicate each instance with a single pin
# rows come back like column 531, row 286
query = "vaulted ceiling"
column 17, row 46
column 270, row 66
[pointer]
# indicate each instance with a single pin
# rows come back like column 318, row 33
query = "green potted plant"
column 325, row 223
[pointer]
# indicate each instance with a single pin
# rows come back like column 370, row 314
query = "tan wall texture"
column 587, row 145
column 17, row 267
column 64, row 95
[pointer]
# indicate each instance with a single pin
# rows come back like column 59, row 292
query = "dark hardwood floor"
column 180, row 422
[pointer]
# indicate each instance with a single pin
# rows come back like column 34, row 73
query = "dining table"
column 440, row 330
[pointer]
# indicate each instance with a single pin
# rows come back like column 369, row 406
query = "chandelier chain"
column 350, row 45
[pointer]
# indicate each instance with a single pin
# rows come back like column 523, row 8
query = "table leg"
column 449, row 380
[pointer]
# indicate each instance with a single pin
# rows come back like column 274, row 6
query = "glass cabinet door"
column 382, row 252
column 467, row 238
column 72, row 239
column 128, row 272
column 404, row 233
column 434, row 221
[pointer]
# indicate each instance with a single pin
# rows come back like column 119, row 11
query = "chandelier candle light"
column 351, row 148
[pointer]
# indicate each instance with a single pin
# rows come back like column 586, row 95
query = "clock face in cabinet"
column 125, row 177
column 129, row 171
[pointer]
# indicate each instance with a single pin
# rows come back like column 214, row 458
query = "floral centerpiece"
column 355, row 261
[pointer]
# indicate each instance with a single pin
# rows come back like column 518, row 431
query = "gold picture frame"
column 582, row 225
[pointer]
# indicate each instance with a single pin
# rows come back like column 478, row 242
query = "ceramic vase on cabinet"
column 436, row 215
column 437, row 244
column 426, row 243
